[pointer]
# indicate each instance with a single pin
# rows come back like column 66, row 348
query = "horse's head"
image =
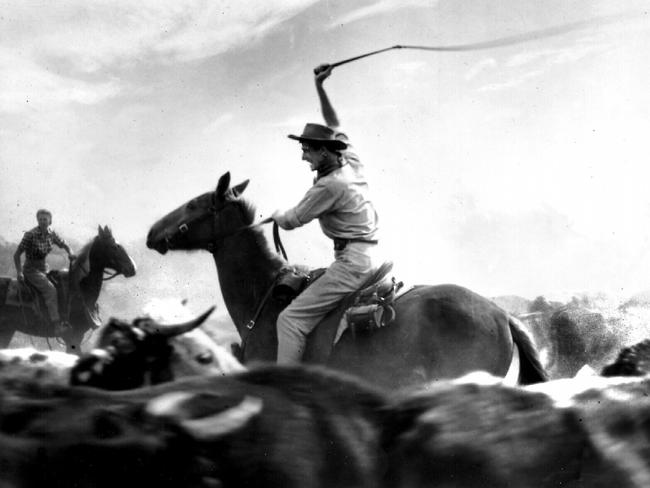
column 201, row 222
column 109, row 253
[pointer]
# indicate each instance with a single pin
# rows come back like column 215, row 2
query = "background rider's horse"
column 20, row 310
column 439, row 331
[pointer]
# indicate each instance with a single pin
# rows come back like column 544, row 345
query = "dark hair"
column 43, row 211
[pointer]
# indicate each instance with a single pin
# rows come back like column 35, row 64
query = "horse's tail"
column 530, row 367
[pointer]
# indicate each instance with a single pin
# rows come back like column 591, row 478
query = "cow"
column 274, row 427
column 130, row 355
column 631, row 361
column 285, row 426
column 569, row 335
column 580, row 335
column 569, row 433
column 28, row 362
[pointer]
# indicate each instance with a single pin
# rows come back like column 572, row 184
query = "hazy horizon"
column 514, row 170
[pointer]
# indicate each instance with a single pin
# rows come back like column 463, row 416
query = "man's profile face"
column 313, row 156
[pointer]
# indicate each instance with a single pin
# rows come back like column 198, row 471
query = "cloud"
column 550, row 57
column 24, row 85
column 96, row 35
column 411, row 68
column 514, row 81
column 479, row 67
column 52, row 52
column 378, row 8
column 528, row 65
column 217, row 123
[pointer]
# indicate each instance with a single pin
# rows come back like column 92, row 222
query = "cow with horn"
column 144, row 352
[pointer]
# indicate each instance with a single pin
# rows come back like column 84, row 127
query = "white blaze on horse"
column 442, row 331
column 78, row 289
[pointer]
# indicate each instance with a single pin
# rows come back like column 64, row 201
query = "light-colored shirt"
column 339, row 200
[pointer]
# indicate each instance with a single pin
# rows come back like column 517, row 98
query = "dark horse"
column 439, row 332
column 84, row 283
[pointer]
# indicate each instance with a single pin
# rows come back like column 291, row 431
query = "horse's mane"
column 82, row 256
column 248, row 211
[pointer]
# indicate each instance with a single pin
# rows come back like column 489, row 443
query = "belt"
column 340, row 244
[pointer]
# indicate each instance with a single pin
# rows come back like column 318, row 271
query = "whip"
column 500, row 42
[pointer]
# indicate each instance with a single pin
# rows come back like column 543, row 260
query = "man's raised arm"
column 329, row 114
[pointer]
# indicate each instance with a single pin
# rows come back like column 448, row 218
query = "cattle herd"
column 163, row 406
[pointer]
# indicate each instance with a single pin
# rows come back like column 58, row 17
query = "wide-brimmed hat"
column 320, row 134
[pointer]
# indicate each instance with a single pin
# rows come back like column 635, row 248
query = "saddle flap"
column 322, row 339
column 376, row 283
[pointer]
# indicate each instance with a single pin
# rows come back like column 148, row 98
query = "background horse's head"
column 203, row 221
column 106, row 252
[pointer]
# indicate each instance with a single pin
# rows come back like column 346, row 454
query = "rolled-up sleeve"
column 318, row 200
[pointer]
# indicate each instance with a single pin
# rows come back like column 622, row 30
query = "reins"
column 277, row 242
column 279, row 248
column 111, row 276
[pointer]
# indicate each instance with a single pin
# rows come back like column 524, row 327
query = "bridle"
column 85, row 266
column 211, row 247
column 184, row 227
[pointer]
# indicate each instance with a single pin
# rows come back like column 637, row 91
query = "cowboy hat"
column 320, row 134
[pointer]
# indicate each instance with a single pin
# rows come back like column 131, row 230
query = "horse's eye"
column 191, row 206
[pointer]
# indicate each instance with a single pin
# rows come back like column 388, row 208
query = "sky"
column 518, row 169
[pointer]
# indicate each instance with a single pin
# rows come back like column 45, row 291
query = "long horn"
column 154, row 327
column 223, row 423
column 172, row 405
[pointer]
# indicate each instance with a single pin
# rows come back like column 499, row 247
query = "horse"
column 82, row 284
column 439, row 332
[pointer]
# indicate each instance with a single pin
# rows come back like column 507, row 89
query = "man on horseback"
column 339, row 200
column 37, row 244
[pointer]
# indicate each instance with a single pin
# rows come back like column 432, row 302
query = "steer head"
column 131, row 355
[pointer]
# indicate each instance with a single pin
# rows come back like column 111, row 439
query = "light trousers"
column 35, row 274
column 352, row 266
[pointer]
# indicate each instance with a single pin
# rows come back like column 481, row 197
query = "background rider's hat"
column 320, row 134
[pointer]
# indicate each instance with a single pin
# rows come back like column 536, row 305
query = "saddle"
column 24, row 294
column 367, row 309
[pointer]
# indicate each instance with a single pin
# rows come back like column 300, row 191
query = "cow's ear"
column 222, row 186
column 206, row 417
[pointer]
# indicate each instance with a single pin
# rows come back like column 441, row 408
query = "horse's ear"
column 239, row 189
column 107, row 231
column 100, row 231
column 222, row 186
